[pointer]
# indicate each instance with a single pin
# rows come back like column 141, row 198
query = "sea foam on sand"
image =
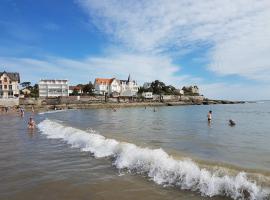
column 160, row 167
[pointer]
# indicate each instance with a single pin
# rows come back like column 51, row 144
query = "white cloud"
column 141, row 67
column 237, row 30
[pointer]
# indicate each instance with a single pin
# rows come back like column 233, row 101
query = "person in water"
column 21, row 111
column 209, row 116
column 31, row 123
column 231, row 122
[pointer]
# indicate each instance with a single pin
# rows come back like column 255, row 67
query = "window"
column 10, row 82
column 5, row 79
column 10, row 87
column 0, row 82
column 10, row 93
column 0, row 87
column 5, row 86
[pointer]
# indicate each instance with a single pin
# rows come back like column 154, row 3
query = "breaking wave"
column 156, row 164
column 51, row 111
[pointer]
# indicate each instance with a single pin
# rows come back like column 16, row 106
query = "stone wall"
column 9, row 102
column 101, row 99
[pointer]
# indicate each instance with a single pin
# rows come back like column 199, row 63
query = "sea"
column 138, row 153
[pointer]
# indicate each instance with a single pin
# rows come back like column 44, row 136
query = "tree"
column 158, row 87
column 25, row 84
column 34, row 91
column 75, row 92
column 88, row 88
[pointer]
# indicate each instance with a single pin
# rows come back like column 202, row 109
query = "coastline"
column 111, row 105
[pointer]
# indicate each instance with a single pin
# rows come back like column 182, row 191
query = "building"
column 129, row 87
column 53, row 88
column 147, row 95
column 71, row 90
column 115, row 88
column 107, row 86
column 191, row 90
column 9, row 85
column 146, row 85
column 26, row 91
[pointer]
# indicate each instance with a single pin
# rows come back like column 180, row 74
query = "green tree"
column 158, row 87
column 88, row 88
column 34, row 91
column 25, row 84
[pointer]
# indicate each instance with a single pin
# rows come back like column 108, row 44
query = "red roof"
column 75, row 88
column 105, row 81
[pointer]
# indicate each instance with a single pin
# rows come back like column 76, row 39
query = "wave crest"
column 160, row 167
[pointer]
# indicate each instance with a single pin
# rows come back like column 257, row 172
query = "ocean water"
column 135, row 153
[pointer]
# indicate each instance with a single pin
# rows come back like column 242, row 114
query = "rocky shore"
column 112, row 105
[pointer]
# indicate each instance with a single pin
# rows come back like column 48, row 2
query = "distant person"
column 154, row 109
column 31, row 123
column 209, row 116
column 6, row 109
column 21, row 111
column 231, row 122
column 32, row 108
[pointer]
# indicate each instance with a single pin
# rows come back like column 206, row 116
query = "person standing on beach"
column 209, row 116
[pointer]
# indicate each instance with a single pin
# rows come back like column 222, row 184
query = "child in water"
column 31, row 123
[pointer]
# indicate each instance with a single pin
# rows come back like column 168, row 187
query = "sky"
column 221, row 46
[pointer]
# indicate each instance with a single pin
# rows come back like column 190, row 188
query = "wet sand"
column 118, row 188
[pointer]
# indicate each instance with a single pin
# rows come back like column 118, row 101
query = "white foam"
column 157, row 164
column 51, row 111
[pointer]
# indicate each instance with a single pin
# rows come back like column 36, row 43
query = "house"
column 9, row 85
column 71, row 90
column 129, row 87
column 147, row 95
column 146, row 85
column 53, row 88
column 191, row 90
column 26, row 91
column 107, row 86
column 114, row 87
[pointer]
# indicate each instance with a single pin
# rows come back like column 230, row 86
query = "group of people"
column 19, row 110
column 209, row 118
column 31, row 123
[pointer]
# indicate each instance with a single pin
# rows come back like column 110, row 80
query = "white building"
column 129, row 87
column 147, row 95
column 53, row 88
column 114, row 87
column 110, row 86
column 9, row 85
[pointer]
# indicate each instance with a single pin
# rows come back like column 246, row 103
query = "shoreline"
column 110, row 105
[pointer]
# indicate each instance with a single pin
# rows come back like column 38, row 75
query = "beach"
column 134, row 152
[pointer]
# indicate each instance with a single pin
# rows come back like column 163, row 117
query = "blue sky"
column 221, row 46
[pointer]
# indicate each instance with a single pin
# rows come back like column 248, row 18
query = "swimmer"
column 31, row 123
column 232, row 123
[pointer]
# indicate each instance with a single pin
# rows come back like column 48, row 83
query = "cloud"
column 234, row 33
column 141, row 67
